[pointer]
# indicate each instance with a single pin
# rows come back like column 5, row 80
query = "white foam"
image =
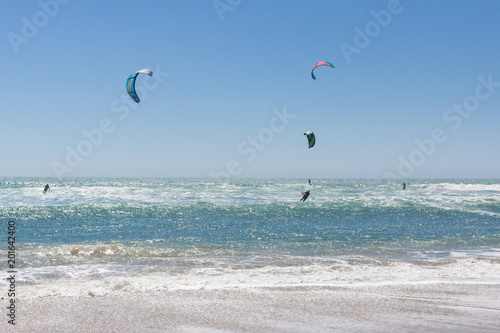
column 99, row 280
column 462, row 187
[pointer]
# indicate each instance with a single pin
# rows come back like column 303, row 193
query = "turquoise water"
column 87, row 230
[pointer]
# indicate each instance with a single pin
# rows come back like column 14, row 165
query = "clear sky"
column 415, row 92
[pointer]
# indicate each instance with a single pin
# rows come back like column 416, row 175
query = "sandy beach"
column 429, row 307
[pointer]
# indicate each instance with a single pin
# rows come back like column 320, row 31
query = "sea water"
column 99, row 236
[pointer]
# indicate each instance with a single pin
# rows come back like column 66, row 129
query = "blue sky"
column 415, row 92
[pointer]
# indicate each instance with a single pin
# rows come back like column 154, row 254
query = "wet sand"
column 432, row 307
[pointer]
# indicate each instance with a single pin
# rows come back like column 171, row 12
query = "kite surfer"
column 47, row 188
column 305, row 195
column 309, row 181
column 404, row 186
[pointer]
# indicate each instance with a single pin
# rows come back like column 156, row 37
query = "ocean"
column 106, row 236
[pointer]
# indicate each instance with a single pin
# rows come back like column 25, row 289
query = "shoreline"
column 430, row 307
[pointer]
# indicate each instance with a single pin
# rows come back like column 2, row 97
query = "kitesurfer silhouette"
column 47, row 188
column 305, row 195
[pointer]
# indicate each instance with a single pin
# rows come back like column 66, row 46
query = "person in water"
column 404, row 186
column 47, row 188
column 309, row 181
column 305, row 195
